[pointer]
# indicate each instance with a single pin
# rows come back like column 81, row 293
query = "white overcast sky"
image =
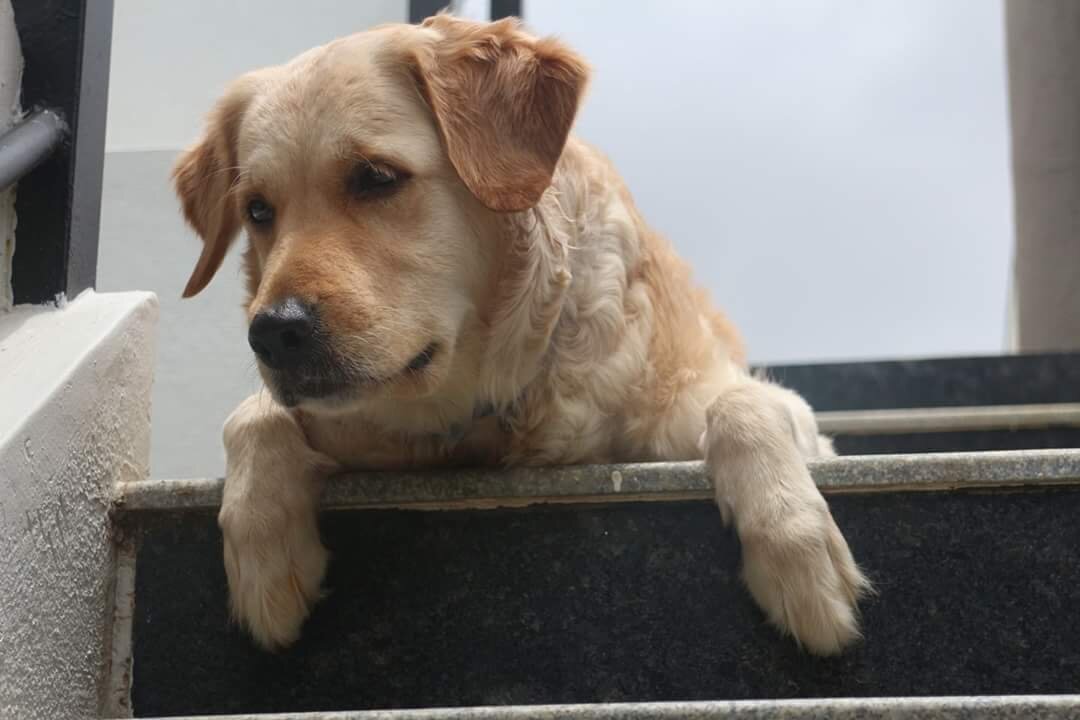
column 837, row 170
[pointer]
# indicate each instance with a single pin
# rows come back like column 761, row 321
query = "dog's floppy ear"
column 504, row 102
column 204, row 177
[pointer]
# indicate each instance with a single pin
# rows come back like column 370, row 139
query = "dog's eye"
column 366, row 180
column 260, row 212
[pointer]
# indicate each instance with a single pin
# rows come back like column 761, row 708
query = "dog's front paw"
column 798, row 567
column 275, row 564
column 796, row 562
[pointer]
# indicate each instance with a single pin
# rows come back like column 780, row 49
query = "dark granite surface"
column 958, row 441
column 627, row 602
column 998, row 380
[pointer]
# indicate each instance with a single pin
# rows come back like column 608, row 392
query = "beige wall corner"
column 1044, row 96
column 75, row 385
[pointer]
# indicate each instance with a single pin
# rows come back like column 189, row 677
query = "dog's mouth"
column 333, row 381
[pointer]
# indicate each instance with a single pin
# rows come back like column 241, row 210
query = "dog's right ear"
column 504, row 102
column 205, row 176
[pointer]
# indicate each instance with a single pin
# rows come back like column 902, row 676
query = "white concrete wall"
column 204, row 365
column 10, row 85
column 836, row 171
column 170, row 61
column 74, row 420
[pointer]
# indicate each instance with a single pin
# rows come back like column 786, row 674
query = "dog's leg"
column 274, row 559
column 796, row 562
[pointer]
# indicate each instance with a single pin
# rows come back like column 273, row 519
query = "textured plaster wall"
column 74, row 419
column 10, row 83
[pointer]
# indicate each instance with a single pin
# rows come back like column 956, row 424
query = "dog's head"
column 371, row 176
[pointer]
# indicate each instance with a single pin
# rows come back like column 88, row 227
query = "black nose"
column 283, row 335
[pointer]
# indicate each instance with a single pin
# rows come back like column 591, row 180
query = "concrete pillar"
column 1043, row 38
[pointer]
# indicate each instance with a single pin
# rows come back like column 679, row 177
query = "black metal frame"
column 65, row 47
column 506, row 8
column 420, row 9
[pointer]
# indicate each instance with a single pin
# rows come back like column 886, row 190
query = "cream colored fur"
column 570, row 316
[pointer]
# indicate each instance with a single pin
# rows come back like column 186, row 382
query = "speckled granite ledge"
column 481, row 488
column 948, row 419
column 1008, row 707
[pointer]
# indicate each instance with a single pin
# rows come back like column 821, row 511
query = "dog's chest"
column 361, row 445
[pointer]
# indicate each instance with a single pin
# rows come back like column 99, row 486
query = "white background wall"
column 171, row 60
column 836, row 170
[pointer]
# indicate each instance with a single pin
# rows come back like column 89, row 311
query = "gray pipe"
column 28, row 144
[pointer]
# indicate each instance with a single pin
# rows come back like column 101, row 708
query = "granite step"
column 938, row 708
column 605, row 590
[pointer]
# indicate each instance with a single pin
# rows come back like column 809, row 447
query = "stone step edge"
column 484, row 488
column 949, row 419
column 990, row 707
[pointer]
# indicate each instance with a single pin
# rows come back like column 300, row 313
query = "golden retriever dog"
column 440, row 274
